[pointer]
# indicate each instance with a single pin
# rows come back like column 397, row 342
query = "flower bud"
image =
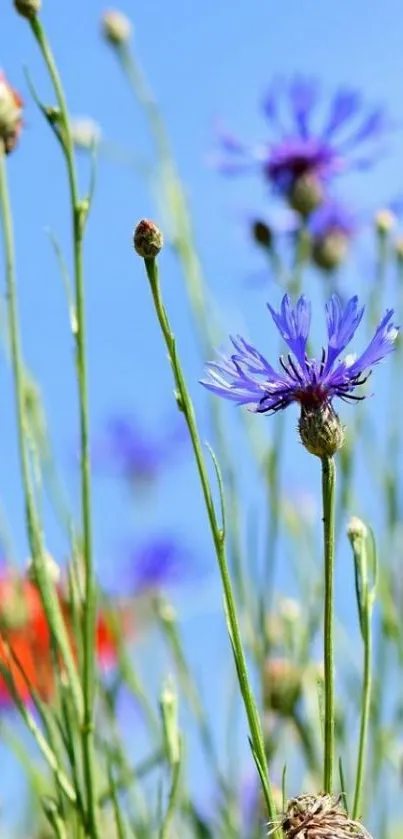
column 385, row 221
column 10, row 115
column 399, row 249
column 85, row 133
column 147, row 239
column 330, row 250
column 51, row 567
column 320, row 430
column 262, row 234
column 356, row 529
column 281, row 685
column 116, row 27
column 305, row 195
column 28, row 8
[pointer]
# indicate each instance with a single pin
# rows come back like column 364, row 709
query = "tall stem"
column 79, row 211
column 328, row 494
column 365, row 710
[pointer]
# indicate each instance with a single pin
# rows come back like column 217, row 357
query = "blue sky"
column 203, row 61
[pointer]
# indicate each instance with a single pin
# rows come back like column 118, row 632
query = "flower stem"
column 218, row 534
column 79, row 212
column 328, row 494
column 365, row 711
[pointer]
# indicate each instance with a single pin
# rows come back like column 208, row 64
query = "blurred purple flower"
column 300, row 151
column 126, row 449
column 333, row 217
column 156, row 563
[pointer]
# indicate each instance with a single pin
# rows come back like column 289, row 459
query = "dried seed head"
column 305, row 195
column 147, row 239
column 28, row 8
column 10, row 115
column 320, row 430
column 319, row 817
column 116, row 27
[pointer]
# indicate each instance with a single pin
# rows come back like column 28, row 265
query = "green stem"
column 218, row 535
column 79, row 211
column 365, row 708
column 328, row 493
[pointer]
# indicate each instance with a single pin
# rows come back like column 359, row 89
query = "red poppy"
column 25, row 638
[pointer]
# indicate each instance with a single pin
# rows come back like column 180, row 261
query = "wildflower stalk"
column 218, row 533
column 328, row 495
column 79, row 210
column 46, row 588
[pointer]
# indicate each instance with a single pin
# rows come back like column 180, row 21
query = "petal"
column 294, row 324
column 303, row 94
column 341, row 326
column 345, row 105
column 381, row 345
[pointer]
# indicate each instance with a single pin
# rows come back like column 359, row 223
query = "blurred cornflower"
column 245, row 377
column 332, row 227
column 150, row 566
column 126, row 449
column 301, row 160
column 10, row 115
column 25, row 636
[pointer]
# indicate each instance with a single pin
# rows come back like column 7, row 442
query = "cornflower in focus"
column 10, row 115
column 301, row 160
column 127, row 450
column 245, row 377
column 25, row 636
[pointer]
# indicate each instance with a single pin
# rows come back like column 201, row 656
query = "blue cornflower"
column 127, row 449
column 301, row 159
column 247, row 378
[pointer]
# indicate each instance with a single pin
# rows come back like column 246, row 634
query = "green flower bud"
column 320, row 430
column 305, row 195
column 147, row 239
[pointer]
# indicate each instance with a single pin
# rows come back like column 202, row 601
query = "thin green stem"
column 328, row 493
column 218, row 535
column 79, row 212
column 365, row 709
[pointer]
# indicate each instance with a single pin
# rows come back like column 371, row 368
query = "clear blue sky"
column 203, row 61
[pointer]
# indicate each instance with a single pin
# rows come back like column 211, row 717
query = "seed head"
column 313, row 816
column 116, row 27
column 28, row 8
column 320, row 430
column 147, row 239
column 10, row 115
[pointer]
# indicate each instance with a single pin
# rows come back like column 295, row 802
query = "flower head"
column 127, row 449
column 332, row 227
column 310, row 816
column 301, row 159
column 10, row 115
column 245, row 377
column 116, row 27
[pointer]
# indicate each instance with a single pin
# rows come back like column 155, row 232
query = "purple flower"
column 300, row 153
column 247, row 378
column 156, row 563
column 128, row 450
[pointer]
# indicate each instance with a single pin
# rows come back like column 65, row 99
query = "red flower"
column 10, row 115
column 25, row 638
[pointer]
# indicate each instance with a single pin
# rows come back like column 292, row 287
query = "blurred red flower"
column 25, row 637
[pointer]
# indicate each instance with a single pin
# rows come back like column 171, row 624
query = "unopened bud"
column 116, row 27
column 85, row 133
column 147, row 239
column 51, row 567
column 320, row 430
column 10, row 115
column 356, row 529
column 169, row 714
column 330, row 250
column 28, row 8
column 399, row 249
column 262, row 234
column 281, row 685
column 305, row 195
column 385, row 221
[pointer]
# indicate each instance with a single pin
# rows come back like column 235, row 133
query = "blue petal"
column 381, row 345
column 373, row 127
column 303, row 93
column 294, row 324
column 341, row 326
column 345, row 105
